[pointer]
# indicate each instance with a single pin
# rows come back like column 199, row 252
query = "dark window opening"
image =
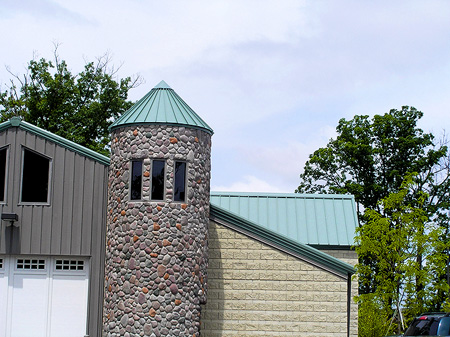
column 35, row 176
column 2, row 174
column 158, row 180
column 180, row 181
column 136, row 180
column 69, row 265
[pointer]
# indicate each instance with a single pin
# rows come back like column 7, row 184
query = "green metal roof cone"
column 161, row 105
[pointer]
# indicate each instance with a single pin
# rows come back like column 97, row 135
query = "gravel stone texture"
column 156, row 254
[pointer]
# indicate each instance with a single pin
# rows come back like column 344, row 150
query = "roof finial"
column 162, row 85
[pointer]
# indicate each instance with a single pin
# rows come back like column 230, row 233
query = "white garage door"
column 43, row 297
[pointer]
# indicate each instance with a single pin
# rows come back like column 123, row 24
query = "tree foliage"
column 400, row 177
column 402, row 242
column 370, row 157
column 79, row 107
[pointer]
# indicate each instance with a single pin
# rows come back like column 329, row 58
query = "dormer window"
column 35, row 177
column 179, row 193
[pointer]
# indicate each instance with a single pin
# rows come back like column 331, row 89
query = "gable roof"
column 281, row 242
column 84, row 151
column 327, row 220
column 161, row 105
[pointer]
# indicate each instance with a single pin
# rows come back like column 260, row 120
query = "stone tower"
column 158, row 211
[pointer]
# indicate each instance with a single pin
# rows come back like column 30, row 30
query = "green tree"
column 370, row 158
column 403, row 241
column 77, row 107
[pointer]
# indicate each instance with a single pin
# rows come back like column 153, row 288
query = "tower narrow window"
column 179, row 193
column 136, row 180
column 35, row 177
column 3, row 153
column 158, row 180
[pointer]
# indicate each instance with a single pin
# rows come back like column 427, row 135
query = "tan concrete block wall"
column 256, row 290
column 350, row 257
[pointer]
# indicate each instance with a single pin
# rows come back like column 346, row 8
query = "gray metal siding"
column 74, row 221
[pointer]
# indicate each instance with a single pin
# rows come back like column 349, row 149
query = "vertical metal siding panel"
column 47, row 212
column 36, row 229
column 88, row 208
column 77, row 211
column 98, row 249
column 6, row 139
column 17, row 138
column 29, row 141
column 58, row 199
column 36, row 217
column 66, row 233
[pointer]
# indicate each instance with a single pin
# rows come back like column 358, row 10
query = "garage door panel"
column 69, row 305
column 29, row 305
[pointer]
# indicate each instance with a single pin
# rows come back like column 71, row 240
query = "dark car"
column 430, row 324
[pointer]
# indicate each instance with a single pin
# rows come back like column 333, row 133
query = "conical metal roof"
column 161, row 105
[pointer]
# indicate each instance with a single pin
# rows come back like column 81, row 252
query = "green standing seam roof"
column 84, row 151
column 310, row 254
column 312, row 219
column 161, row 105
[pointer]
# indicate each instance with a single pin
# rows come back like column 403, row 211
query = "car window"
column 423, row 327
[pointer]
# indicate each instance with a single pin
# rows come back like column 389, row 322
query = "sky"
column 272, row 78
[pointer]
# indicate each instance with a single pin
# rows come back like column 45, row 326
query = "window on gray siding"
column 158, row 180
column 3, row 153
column 180, row 181
column 136, row 180
column 35, row 177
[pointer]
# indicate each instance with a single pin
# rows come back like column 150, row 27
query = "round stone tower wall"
column 156, row 254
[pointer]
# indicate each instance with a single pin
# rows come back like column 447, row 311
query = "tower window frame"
column 158, row 182
column 35, row 178
column 136, row 176
column 180, row 181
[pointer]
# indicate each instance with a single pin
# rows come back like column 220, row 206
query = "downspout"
column 349, row 299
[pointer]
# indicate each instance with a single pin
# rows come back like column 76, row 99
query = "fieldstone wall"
column 257, row 290
column 156, row 255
